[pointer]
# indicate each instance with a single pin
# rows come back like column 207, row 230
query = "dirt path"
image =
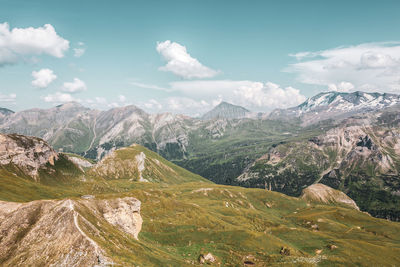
column 94, row 136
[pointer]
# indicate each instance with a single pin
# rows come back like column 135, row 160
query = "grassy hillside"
column 237, row 225
column 185, row 216
column 138, row 163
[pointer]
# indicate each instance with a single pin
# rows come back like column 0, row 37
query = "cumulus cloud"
column 369, row 67
column 181, row 63
column 78, row 52
column 186, row 105
column 122, row 98
column 153, row 104
column 268, row 95
column 59, row 97
column 43, row 78
column 341, row 87
column 75, row 86
column 100, row 100
column 20, row 42
column 8, row 98
column 178, row 105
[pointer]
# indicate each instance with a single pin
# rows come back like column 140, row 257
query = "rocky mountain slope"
column 361, row 157
column 28, row 154
column 32, row 158
column 226, row 110
column 327, row 195
column 59, row 232
column 99, row 221
column 207, row 147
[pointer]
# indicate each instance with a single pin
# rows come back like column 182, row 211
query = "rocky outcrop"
column 206, row 258
column 59, row 233
column 327, row 195
column 28, row 154
column 124, row 214
column 80, row 162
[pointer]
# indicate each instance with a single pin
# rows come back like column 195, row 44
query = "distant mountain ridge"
column 5, row 111
column 226, row 110
column 328, row 105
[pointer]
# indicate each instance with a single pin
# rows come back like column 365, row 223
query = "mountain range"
column 345, row 140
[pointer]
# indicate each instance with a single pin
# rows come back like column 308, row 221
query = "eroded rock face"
column 27, row 153
column 123, row 213
column 58, row 233
column 82, row 163
column 327, row 195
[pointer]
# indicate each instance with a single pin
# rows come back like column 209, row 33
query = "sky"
column 187, row 56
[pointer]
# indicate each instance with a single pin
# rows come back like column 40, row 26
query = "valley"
column 135, row 208
column 284, row 150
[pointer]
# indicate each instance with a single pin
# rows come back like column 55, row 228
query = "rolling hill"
column 180, row 219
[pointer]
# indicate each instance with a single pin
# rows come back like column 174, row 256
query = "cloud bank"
column 365, row 67
column 199, row 96
column 8, row 98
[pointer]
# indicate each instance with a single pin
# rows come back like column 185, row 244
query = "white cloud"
column 180, row 63
column 149, row 86
column 206, row 88
column 153, row 104
column 100, row 100
column 341, row 87
column 43, row 78
column 75, row 86
column 369, row 66
column 184, row 103
column 8, row 98
column 268, row 95
column 102, row 103
column 192, row 96
column 20, row 42
column 78, row 52
column 121, row 98
column 251, row 94
column 59, row 97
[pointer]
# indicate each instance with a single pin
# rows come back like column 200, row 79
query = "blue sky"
column 186, row 56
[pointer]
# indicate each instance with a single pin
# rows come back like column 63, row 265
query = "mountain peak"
column 225, row 110
column 6, row 111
